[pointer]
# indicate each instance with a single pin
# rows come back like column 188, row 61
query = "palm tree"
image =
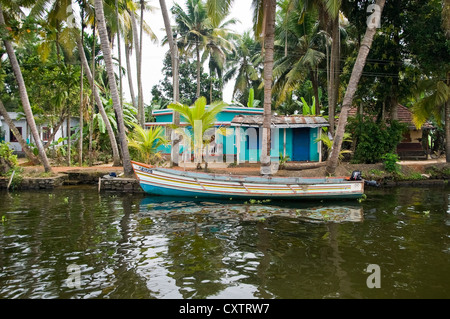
column 333, row 159
column 134, row 39
column 245, row 65
column 201, row 118
column 264, row 28
column 146, row 142
column 80, row 141
column 105, row 45
column 264, row 17
column 218, row 48
column 24, row 97
column 98, row 101
column 193, row 29
column 303, row 41
column 175, row 150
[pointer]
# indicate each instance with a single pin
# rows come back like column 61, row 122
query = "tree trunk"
column 333, row 159
column 92, row 84
column 69, row 140
column 333, row 85
column 138, row 69
column 141, row 90
column 128, row 169
column 447, row 124
column 128, row 50
column 18, row 136
column 174, row 156
column 24, row 98
column 197, row 49
column 119, row 50
column 80, row 141
column 315, row 85
column 269, row 36
column 109, row 129
column 55, row 130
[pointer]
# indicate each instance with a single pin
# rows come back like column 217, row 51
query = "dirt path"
column 345, row 169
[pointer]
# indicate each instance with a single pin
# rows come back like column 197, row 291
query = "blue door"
column 300, row 145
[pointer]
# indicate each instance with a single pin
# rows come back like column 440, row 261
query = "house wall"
column 313, row 145
column 249, row 146
column 415, row 135
column 26, row 133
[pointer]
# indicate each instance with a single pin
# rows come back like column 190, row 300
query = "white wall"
column 22, row 123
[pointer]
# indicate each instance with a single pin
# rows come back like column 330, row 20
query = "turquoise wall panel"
column 313, row 150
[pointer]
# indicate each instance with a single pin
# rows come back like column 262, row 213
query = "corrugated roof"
column 280, row 121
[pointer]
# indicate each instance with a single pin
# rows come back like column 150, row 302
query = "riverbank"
column 411, row 173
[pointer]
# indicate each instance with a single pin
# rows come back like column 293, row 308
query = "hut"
column 292, row 137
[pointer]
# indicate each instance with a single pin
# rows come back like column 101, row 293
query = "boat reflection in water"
column 252, row 210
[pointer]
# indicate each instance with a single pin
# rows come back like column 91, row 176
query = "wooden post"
column 238, row 144
column 10, row 180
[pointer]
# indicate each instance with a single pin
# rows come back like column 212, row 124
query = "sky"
column 153, row 54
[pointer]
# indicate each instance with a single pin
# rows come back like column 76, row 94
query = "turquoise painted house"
column 293, row 136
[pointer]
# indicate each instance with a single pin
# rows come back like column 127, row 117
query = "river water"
column 75, row 243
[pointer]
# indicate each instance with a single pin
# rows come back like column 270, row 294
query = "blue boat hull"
column 170, row 182
column 170, row 192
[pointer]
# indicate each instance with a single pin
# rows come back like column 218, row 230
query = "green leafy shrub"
column 390, row 162
column 8, row 161
column 373, row 139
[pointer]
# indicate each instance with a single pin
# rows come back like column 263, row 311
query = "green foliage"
column 162, row 93
column 309, row 109
column 8, row 161
column 145, row 143
column 199, row 112
column 283, row 159
column 325, row 139
column 390, row 162
column 374, row 139
column 251, row 99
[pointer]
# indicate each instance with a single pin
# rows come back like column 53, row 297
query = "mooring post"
column 10, row 180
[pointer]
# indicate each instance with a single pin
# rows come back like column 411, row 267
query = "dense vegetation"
column 53, row 66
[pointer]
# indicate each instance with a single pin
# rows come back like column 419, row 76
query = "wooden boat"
column 171, row 182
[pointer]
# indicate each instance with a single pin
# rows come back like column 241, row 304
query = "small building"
column 45, row 131
column 293, row 137
column 414, row 144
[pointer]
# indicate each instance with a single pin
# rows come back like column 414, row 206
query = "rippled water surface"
column 76, row 243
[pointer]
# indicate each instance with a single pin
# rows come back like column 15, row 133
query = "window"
column 12, row 138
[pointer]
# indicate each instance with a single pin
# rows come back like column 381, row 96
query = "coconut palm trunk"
column 128, row 169
column 141, row 111
column 80, row 141
column 18, row 136
column 24, row 98
column 140, row 106
column 197, row 50
column 175, row 150
column 109, row 129
column 447, row 124
column 333, row 88
column 269, row 37
column 333, row 159
column 128, row 49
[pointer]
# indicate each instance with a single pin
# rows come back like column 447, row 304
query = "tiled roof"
column 404, row 115
column 280, row 121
